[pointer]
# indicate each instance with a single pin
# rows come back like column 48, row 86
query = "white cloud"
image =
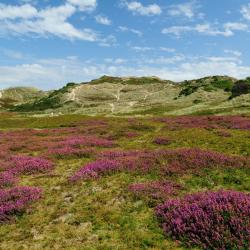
column 177, row 30
column 146, row 48
column 233, row 52
column 208, row 29
column 185, row 9
column 166, row 60
column 29, row 1
column 211, row 67
column 228, row 29
column 223, row 59
column 108, row 41
column 12, row 12
column 138, row 8
column 170, row 50
column 103, row 20
column 13, row 54
column 245, row 11
column 53, row 73
column 232, row 26
column 141, row 49
column 51, row 21
column 115, row 61
column 126, row 29
column 84, row 5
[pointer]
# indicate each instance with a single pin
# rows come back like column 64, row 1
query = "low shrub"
column 206, row 122
column 155, row 191
column 95, row 169
column 131, row 134
column 89, row 141
column 7, row 180
column 164, row 162
column 195, row 160
column 68, row 152
column 162, row 141
column 14, row 201
column 210, row 220
column 223, row 133
column 23, row 164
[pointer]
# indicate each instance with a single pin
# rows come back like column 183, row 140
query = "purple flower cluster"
column 210, row 220
column 15, row 200
column 162, row 141
column 89, row 141
column 181, row 161
column 207, row 122
column 131, row 134
column 41, row 141
column 166, row 162
column 111, row 154
column 95, row 169
column 7, row 180
column 67, row 152
column 223, row 133
column 155, row 191
column 29, row 165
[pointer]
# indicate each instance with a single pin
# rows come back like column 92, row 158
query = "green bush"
column 196, row 101
column 226, row 85
column 188, row 90
column 240, row 88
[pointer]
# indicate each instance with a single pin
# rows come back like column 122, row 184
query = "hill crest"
column 138, row 95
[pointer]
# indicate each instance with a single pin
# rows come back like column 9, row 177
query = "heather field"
column 78, row 182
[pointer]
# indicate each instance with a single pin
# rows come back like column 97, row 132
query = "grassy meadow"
column 103, row 208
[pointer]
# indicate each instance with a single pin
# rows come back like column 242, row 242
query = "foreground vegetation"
column 77, row 182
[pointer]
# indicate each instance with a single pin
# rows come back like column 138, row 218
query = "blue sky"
column 45, row 43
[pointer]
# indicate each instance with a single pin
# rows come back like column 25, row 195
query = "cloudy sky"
column 45, row 43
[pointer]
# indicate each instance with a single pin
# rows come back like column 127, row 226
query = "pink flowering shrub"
column 161, row 141
column 89, row 141
column 95, row 169
column 4, row 164
column 7, row 180
column 177, row 160
column 131, row 134
column 166, row 162
column 207, row 122
column 223, row 133
column 14, row 201
column 155, row 191
column 107, row 166
column 110, row 154
column 210, row 220
column 181, row 161
column 68, row 152
column 29, row 165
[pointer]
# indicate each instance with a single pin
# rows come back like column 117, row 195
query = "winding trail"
column 72, row 95
column 112, row 105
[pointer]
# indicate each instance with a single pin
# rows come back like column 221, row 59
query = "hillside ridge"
column 109, row 95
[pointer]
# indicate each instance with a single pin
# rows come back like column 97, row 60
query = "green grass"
column 223, row 84
column 103, row 214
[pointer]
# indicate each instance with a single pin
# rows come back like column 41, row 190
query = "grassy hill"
column 19, row 95
column 144, row 95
